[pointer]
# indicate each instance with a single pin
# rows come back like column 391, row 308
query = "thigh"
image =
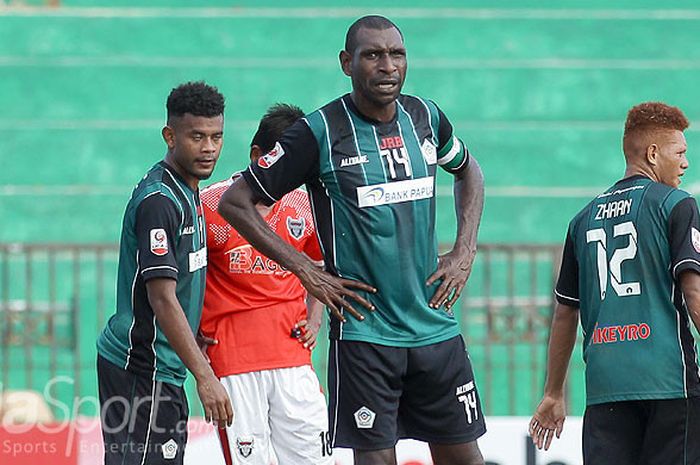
column 365, row 384
column 123, row 420
column 671, row 433
column 299, row 418
column 248, row 438
column 143, row 421
column 613, row 433
column 167, row 425
column 456, row 454
column 440, row 402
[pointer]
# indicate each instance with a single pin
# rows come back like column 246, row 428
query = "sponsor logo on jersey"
column 620, row 333
column 429, row 152
column 169, row 449
column 393, row 142
column 364, row 418
column 351, row 161
column 159, row 242
column 245, row 446
column 296, row 227
column 395, row 192
column 198, row 259
column 271, row 157
column 187, row 230
column 695, row 236
column 245, row 259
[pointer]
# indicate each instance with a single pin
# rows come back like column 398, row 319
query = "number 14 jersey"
column 622, row 260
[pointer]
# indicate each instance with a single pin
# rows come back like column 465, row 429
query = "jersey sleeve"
column 684, row 237
column 291, row 163
column 157, row 223
column 452, row 153
column 566, row 291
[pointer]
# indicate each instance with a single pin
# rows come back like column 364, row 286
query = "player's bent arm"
column 237, row 206
column 690, row 284
column 469, row 205
column 171, row 319
column 455, row 267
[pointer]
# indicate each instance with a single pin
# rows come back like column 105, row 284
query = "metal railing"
column 55, row 299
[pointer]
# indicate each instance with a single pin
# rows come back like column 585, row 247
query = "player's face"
column 194, row 144
column 671, row 158
column 377, row 66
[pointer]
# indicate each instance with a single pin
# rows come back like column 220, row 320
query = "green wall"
column 539, row 95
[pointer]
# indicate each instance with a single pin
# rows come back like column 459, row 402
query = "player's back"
column 637, row 343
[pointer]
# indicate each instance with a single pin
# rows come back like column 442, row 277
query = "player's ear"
column 345, row 61
column 652, row 154
column 169, row 137
column 255, row 153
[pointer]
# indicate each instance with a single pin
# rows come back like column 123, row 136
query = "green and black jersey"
column 163, row 236
column 623, row 256
column 372, row 188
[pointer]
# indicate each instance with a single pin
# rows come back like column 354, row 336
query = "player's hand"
column 204, row 342
column 547, row 421
column 454, row 270
column 215, row 400
column 334, row 292
column 309, row 333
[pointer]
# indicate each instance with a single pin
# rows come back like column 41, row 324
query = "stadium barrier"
column 55, row 298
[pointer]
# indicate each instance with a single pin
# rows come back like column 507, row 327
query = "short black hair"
column 196, row 98
column 275, row 121
column 368, row 22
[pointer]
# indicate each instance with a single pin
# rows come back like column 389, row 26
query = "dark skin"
column 377, row 69
column 194, row 143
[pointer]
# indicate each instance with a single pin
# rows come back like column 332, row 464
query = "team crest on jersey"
column 245, row 446
column 159, row 242
column 296, row 227
column 271, row 157
column 169, row 449
column 695, row 235
column 364, row 418
column 429, row 152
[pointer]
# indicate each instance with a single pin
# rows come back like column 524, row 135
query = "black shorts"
column 143, row 421
column 380, row 394
column 642, row 432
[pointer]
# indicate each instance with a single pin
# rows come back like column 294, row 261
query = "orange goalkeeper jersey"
column 251, row 303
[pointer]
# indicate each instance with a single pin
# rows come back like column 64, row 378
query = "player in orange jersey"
column 255, row 322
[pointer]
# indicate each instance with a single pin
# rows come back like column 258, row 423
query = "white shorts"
column 279, row 416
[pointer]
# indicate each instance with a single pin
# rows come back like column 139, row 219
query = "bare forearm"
column 314, row 309
column 172, row 321
column 237, row 206
column 561, row 343
column 469, row 205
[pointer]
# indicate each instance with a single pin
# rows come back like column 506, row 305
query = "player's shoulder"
column 666, row 197
column 211, row 194
column 298, row 199
column 155, row 186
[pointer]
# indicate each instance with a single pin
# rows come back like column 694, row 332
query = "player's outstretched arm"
column 237, row 206
column 455, row 266
column 548, row 419
column 171, row 319
column 690, row 285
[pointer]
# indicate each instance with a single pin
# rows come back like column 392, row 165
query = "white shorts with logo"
column 279, row 417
